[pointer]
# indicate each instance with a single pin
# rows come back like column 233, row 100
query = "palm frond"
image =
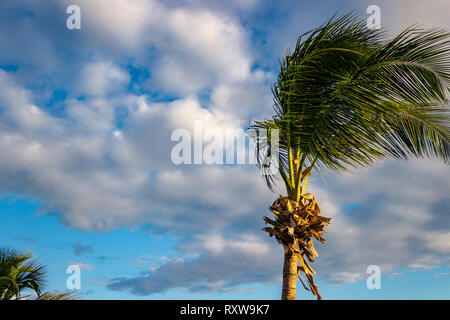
column 55, row 295
column 18, row 273
column 347, row 97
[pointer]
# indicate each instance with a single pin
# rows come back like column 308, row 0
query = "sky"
column 86, row 177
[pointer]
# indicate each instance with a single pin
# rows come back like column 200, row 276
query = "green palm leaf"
column 19, row 273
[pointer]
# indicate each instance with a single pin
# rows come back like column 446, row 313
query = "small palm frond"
column 55, row 295
column 31, row 276
column 18, row 273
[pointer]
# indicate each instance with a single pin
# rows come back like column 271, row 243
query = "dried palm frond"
column 295, row 225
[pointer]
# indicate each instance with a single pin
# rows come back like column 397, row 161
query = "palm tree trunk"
column 289, row 276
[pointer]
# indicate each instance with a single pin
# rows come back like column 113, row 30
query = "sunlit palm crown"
column 18, row 273
column 346, row 97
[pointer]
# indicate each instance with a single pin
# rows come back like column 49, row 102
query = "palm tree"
column 18, row 274
column 345, row 98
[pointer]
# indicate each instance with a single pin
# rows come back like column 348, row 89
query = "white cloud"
column 124, row 23
column 79, row 168
column 397, row 15
column 83, row 266
column 251, row 98
column 100, row 79
column 18, row 113
column 199, row 46
column 238, row 262
column 201, row 49
column 385, row 216
column 149, row 129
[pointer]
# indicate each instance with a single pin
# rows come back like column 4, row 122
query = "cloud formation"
column 85, row 126
column 81, row 248
column 381, row 217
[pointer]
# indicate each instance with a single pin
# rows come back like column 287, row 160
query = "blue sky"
column 86, row 178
